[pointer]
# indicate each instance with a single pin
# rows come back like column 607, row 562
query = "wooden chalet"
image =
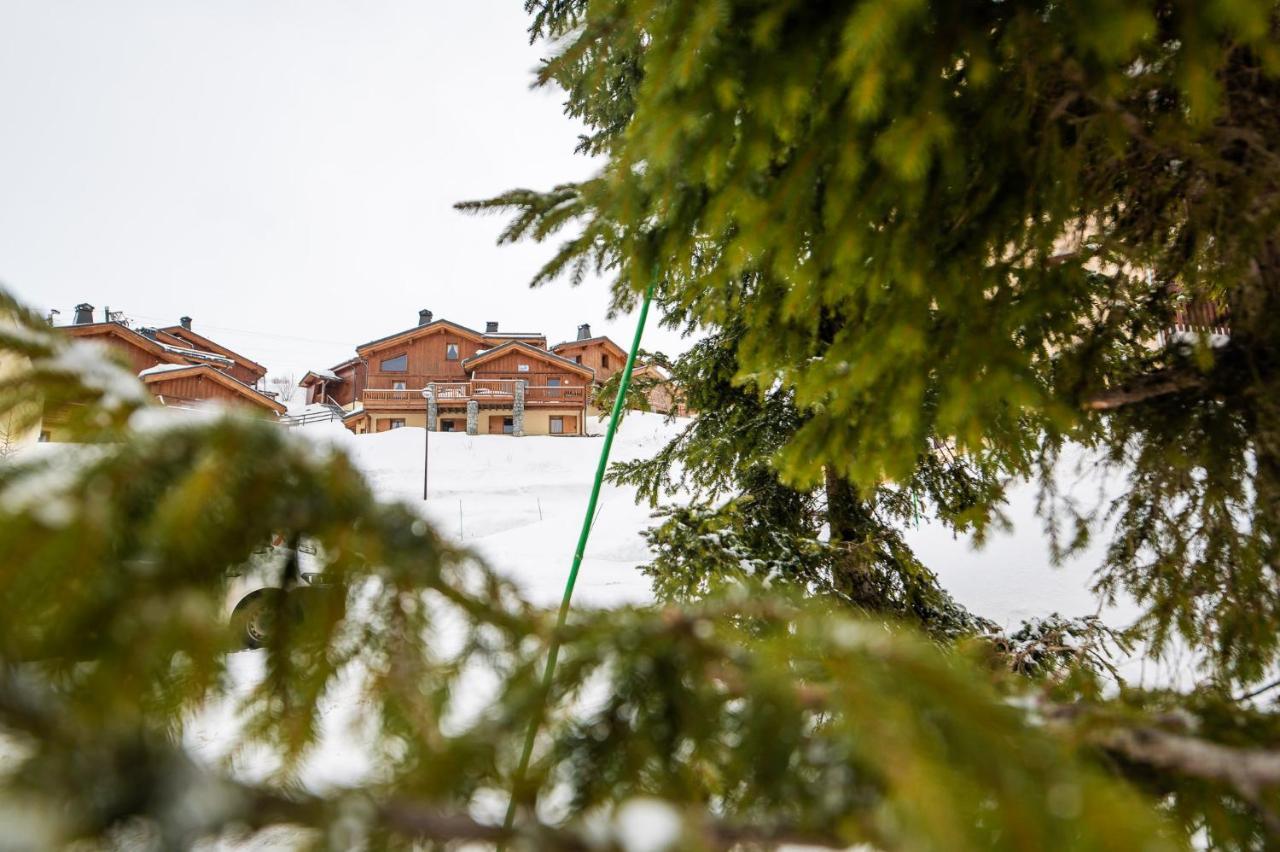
column 599, row 353
column 489, row 382
column 179, row 367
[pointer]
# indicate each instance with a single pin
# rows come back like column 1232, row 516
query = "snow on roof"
column 193, row 353
column 164, row 368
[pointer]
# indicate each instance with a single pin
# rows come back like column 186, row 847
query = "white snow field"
column 519, row 503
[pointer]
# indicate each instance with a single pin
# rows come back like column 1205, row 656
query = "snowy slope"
column 488, row 491
column 519, row 502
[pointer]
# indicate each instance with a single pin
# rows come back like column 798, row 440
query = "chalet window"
column 398, row 364
column 553, row 383
column 577, row 359
column 604, row 360
column 397, row 386
column 557, row 425
column 508, row 425
column 397, row 424
column 522, row 368
column 448, row 425
column 44, row 437
column 451, row 351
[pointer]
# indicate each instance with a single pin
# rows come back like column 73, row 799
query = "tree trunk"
column 853, row 572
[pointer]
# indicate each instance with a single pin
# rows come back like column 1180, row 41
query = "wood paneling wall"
column 197, row 388
column 593, row 355
column 427, row 361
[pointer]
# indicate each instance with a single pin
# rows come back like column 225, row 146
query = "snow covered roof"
column 195, row 353
column 192, row 337
column 323, row 375
column 163, row 368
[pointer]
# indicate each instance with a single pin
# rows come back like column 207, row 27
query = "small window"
column 451, row 351
column 448, row 425
column 522, row 368
column 557, row 425
column 604, row 360
column 397, row 424
column 508, row 425
column 577, row 359
column 44, row 437
column 398, row 364
column 397, row 386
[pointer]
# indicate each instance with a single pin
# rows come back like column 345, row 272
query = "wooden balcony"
column 487, row 392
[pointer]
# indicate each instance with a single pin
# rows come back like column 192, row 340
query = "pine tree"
column 933, row 243
column 932, row 238
column 946, row 228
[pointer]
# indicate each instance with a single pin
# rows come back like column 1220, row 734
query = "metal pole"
column 426, row 439
column 553, row 647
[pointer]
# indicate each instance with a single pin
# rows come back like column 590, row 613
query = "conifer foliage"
column 933, row 243
column 748, row 718
column 965, row 230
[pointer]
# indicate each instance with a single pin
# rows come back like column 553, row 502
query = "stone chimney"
column 424, row 316
column 491, row 327
column 84, row 313
column 185, row 322
column 584, row 332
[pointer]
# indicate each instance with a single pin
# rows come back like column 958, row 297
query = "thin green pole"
column 553, row 647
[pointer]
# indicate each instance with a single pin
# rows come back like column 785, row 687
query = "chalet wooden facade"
column 178, row 366
column 454, row 378
column 600, row 353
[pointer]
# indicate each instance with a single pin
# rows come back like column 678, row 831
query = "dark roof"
column 599, row 338
column 532, row 350
column 431, row 326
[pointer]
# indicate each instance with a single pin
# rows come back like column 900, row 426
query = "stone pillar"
column 517, row 410
column 473, row 417
column 433, row 410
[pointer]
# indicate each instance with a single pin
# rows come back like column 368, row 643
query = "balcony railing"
column 484, row 391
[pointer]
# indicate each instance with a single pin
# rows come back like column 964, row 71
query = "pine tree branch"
column 1162, row 383
column 1246, row 771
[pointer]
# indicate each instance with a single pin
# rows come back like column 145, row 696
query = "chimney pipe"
column 584, row 332
column 185, row 322
column 490, row 327
column 424, row 316
column 84, row 314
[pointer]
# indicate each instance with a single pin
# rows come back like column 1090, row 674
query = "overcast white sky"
column 283, row 171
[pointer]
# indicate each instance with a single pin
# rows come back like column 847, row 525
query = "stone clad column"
column 517, row 410
column 473, row 417
column 433, row 409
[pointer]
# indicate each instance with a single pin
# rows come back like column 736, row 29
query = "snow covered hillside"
column 519, row 503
